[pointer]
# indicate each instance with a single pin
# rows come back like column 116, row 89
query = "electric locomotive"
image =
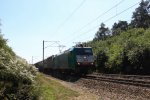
column 74, row 60
column 80, row 59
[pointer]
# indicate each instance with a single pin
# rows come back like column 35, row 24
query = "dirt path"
column 84, row 94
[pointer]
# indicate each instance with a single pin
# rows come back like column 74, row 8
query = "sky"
column 26, row 23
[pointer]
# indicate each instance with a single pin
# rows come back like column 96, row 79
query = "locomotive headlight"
column 84, row 57
column 78, row 63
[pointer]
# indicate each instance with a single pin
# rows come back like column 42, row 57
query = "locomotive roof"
column 80, row 47
column 66, row 51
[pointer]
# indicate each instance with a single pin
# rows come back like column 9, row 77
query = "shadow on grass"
column 65, row 77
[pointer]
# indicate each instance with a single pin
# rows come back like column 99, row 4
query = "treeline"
column 17, row 77
column 125, row 48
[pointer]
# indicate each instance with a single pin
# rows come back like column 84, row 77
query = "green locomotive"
column 76, row 60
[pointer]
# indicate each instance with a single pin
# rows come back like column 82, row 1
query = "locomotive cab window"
column 84, row 51
column 88, row 51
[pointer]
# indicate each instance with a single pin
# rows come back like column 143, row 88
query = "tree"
column 119, row 27
column 102, row 33
column 141, row 18
column 148, row 6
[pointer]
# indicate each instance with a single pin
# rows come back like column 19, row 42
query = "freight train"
column 75, row 60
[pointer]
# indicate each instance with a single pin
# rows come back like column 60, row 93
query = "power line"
column 74, row 11
column 95, row 19
column 107, row 20
column 90, row 21
column 121, row 12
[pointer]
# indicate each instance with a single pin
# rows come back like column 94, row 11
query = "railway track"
column 136, row 80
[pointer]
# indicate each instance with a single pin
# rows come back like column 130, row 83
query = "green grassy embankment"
column 52, row 90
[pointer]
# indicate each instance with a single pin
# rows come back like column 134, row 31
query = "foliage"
column 16, row 75
column 127, row 49
column 128, row 52
column 3, row 44
column 102, row 33
column 117, row 28
column 141, row 18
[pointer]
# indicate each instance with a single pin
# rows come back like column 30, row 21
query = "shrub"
column 16, row 75
column 128, row 52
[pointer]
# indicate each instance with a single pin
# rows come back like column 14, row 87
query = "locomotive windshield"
column 83, row 51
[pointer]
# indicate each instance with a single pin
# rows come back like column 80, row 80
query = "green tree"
column 119, row 27
column 141, row 18
column 102, row 33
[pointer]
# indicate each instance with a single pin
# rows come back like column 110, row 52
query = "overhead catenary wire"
column 105, row 21
column 120, row 13
column 74, row 11
column 95, row 19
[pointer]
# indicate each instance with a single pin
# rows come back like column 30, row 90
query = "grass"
column 52, row 90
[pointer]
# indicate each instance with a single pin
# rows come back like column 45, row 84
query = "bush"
column 17, row 77
column 128, row 52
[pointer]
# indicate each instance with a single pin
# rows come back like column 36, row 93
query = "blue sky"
column 26, row 23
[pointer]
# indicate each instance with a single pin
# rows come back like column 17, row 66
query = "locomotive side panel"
column 72, row 60
column 63, row 61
